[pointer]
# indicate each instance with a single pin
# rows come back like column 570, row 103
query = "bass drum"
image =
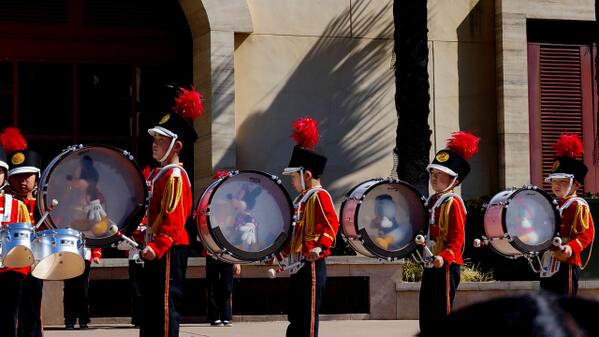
column 96, row 186
column 381, row 217
column 244, row 217
column 521, row 221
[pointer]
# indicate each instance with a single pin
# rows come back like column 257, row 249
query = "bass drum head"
column 531, row 219
column 389, row 217
column 249, row 217
column 96, row 187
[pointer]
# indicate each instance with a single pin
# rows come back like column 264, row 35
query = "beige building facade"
column 263, row 63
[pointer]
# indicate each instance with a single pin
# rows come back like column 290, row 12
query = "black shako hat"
column 453, row 160
column 19, row 158
column 305, row 134
column 309, row 160
column 565, row 164
column 3, row 163
column 25, row 161
column 178, row 123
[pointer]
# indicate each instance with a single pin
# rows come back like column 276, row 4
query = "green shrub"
column 412, row 272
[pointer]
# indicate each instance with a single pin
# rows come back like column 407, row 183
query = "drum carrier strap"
column 297, row 203
column 584, row 202
column 442, row 199
column 7, row 208
column 163, row 171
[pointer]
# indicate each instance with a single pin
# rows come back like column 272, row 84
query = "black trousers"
column 30, row 308
column 135, row 277
column 437, row 292
column 564, row 282
column 76, row 298
column 162, row 290
column 10, row 283
column 306, row 290
column 220, row 288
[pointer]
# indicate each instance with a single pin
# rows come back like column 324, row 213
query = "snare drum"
column 15, row 245
column 381, row 217
column 521, row 221
column 244, row 217
column 96, row 186
column 58, row 254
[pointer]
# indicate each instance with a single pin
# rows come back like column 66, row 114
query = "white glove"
column 316, row 250
column 248, row 233
column 94, row 210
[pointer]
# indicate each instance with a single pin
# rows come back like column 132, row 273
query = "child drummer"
column 576, row 229
column 23, row 176
column 446, row 229
column 314, row 232
column 12, row 210
column 170, row 206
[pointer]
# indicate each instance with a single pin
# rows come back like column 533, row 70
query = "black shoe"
column 227, row 323
column 69, row 326
column 216, row 323
column 83, row 326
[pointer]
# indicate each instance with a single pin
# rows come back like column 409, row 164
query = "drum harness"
column 427, row 258
column 563, row 208
column 296, row 259
column 150, row 183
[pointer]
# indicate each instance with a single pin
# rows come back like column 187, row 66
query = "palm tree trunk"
column 412, row 96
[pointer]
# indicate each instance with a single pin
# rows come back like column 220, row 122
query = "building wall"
column 462, row 78
column 512, row 77
column 331, row 60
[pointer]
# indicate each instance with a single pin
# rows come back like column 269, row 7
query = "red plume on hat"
column 305, row 133
column 12, row 140
column 568, row 145
column 189, row 103
column 464, row 144
column 220, row 174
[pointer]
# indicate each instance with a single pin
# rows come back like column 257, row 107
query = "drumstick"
column 53, row 204
column 557, row 242
column 114, row 230
column 272, row 272
column 422, row 242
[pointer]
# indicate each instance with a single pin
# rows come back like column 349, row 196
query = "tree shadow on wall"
column 344, row 82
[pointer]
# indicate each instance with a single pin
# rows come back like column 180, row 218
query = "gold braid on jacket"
column 170, row 199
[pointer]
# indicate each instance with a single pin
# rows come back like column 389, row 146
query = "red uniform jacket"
column 18, row 213
column 170, row 206
column 448, row 228
column 576, row 229
column 318, row 225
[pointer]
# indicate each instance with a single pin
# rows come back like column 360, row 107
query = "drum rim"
column 368, row 244
column 231, row 250
column 131, row 221
column 519, row 244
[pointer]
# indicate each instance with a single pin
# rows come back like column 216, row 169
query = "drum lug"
column 508, row 237
column 128, row 155
column 276, row 179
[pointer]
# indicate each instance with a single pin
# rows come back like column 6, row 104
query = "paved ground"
column 351, row 328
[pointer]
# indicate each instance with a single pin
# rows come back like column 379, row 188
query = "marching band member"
column 170, row 206
column 76, row 292
column 11, row 210
column 314, row 232
column 446, row 229
column 23, row 177
column 219, row 276
column 576, row 226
